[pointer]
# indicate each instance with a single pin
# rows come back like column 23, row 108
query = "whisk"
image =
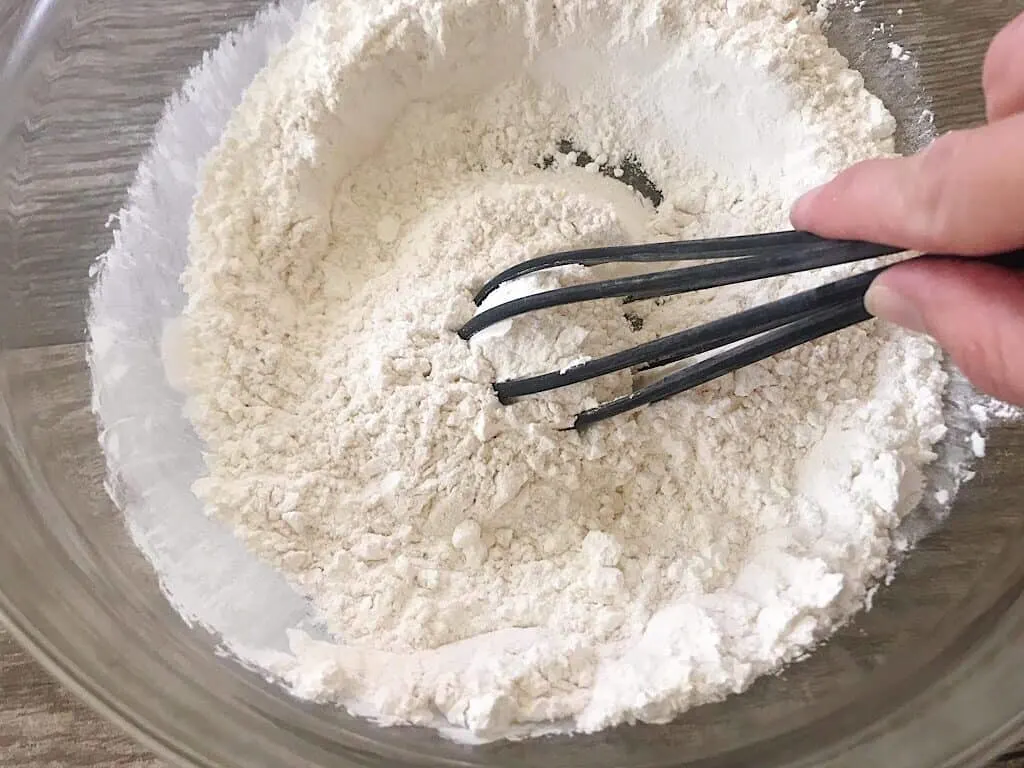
column 740, row 339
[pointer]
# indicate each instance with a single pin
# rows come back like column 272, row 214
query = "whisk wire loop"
column 740, row 264
column 718, row 347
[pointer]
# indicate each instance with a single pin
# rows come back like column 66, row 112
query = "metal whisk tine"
column 740, row 340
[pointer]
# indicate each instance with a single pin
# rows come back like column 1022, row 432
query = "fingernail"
column 803, row 205
column 893, row 307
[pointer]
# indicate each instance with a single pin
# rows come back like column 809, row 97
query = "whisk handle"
column 1010, row 260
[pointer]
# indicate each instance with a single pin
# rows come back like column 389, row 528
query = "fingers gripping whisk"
column 720, row 346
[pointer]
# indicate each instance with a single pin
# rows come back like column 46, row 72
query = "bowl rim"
column 90, row 689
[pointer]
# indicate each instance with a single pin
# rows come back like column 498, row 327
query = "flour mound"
column 476, row 565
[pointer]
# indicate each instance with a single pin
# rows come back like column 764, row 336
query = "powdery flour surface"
column 475, row 567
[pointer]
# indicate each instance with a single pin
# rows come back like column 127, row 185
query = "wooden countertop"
column 44, row 726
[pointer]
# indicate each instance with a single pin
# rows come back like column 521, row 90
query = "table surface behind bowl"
column 44, row 726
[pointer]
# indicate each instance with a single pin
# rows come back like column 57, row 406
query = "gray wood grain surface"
column 73, row 161
column 43, row 726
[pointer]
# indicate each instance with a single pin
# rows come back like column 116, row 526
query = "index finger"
column 962, row 195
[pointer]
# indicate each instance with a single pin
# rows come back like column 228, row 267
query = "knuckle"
column 993, row 359
column 934, row 200
column 981, row 367
column 944, row 150
column 992, row 372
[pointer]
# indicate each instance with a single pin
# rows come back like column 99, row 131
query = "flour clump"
column 476, row 565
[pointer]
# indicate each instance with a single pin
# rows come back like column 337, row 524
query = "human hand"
column 962, row 195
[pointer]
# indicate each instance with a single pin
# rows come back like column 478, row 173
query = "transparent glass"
column 932, row 676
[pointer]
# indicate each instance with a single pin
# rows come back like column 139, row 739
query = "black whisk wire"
column 813, row 326
column 694, row 341
column 742, row 263
column 684, row 250
column 727, row 344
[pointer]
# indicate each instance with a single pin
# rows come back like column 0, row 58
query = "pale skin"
column 962, row 195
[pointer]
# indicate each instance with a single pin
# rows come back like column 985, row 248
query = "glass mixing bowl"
column 932, row 676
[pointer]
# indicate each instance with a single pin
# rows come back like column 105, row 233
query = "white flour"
column 473, row 566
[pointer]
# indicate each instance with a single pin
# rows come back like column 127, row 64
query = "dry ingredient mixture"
column 474, row 566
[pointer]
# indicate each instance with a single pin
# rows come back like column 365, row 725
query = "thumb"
column 974, row 310
column 962, row 195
